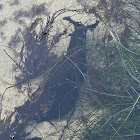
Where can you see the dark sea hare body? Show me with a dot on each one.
(61, 89)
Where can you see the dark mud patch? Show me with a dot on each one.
(2, 36)
(1, 6)
(2, 22)
(15, 40)
(34, 11)
(15, 2)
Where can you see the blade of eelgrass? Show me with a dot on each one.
(135, 78)
(127, 116)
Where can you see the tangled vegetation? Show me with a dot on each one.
(114, 71)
